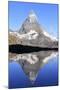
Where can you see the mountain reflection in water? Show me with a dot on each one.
(31, 63)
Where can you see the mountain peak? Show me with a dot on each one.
(32, 13)
(32, 16)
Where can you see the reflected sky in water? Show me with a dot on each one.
(33, 69)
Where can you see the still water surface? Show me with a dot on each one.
(33, 69)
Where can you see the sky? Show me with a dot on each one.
(47, 15)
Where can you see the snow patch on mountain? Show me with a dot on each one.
(50, 36)
(30, 35)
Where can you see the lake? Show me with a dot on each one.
(34, 69)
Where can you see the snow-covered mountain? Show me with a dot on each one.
(31, 33)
